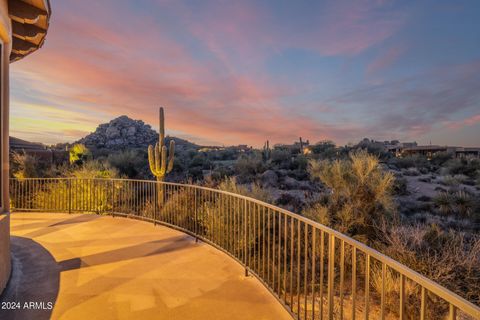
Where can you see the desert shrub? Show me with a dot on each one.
(129, 163)
(195, 173)
(414, 161)
(400, 187)
(412, 172)
(253, 191)
(444, 203)
(391, 285)
(179, 206)
(299, 163)
(324, 150)
(281, 158)
(299, 174)
(464, 204)
(444, 222)
(439, 158)
(94, 169)
(220, 173)
(215, 215)
(222, 155)
(457, 202)
(374, 148)
(423, 248)
(200, 160)
(84, 194)
(453, 181)
(317, 212)
(56, 171)
(248, 166)
(289, 201)
(79, 153)
(462, 166)
(361, 193)
(24, 166)
(179, 165)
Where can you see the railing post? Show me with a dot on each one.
(245, 236)
(195, 215)
(331, 274)
(69, 195)
(155, 203)
(112, 186)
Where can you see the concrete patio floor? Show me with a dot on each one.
(99, 267)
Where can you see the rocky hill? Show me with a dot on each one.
(123, 133)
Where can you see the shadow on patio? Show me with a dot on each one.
(101, 267)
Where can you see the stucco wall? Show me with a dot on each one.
(5, 37)
(4, 250)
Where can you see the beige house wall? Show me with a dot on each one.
(5, 40)
(5, 265)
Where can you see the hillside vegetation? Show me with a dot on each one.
(423, 213)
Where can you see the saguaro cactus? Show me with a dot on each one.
(157, 156)
(160, 165)
(266, 152)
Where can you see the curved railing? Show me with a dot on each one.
(314, 271)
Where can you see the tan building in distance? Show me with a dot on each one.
(430, 150)
(23, 27)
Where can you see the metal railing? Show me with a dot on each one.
(314, 271)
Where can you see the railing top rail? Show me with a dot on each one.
(428, 284)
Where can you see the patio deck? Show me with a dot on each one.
(99, 267)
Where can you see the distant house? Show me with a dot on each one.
(39, 151)
(23, 145)
(408, 149)
(396, 147)
(431, 150)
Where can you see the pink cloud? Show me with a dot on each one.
(470, 121)
(100, 70)
(97, 60)
(352, 27)
(250, 31)
(385, 59)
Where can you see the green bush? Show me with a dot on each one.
(79, 153)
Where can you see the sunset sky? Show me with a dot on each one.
(242, 72)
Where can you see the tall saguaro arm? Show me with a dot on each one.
(160, 164)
